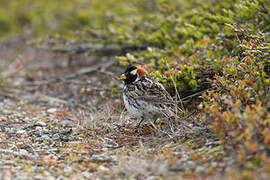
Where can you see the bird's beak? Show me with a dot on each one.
(123, 77)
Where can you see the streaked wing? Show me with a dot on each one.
(151, 91)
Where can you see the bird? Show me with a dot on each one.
(144, 97)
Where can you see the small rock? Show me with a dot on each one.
(21, 131)
(86, 174)
(100, 158)
(152, 178)
(55, 136)
(60, 156)
(23, 152)
(40, 123)
(38, 128)
(45, 137)
(51, 110)
(61, 177)
(103, 168)
(67, 169)
(190, 164)
(200, 169)
(66, 131)
(214, 164)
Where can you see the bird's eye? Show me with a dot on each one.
(133, 72)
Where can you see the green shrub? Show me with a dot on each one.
(226, 44)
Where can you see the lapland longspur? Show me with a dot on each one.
(144, 97)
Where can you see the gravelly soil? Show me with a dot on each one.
(70, 128)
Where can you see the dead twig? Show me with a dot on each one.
(196, 94)
(51, 99)
(9, 92)
(15, 67)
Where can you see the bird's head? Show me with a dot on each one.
(133, 73)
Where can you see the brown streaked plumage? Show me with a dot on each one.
(144, 97)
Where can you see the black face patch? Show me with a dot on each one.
(130, 77)
(129, 69)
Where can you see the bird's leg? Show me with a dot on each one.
(155, 118)
(142, 118)
(170, 124)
